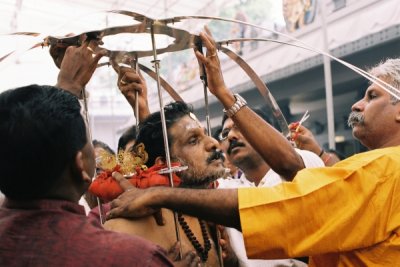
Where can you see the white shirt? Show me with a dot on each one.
(270, 179)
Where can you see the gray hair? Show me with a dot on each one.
(390, 70)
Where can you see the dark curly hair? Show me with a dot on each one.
(150, 130)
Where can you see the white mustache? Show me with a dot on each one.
(354, 118)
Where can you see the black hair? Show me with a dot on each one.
(126, 137)
(258, 111)
(41, 130)
(97, 143)
(150, 130)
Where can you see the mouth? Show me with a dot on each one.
(216, 156)
(355, 118)
(233, 147)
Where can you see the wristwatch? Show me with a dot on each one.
(239, 103)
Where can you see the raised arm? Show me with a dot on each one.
(266, 140)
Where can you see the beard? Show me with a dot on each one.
(355, 118)
(198, 177)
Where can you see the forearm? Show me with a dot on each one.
(144, 112)
(202, 203)
(266, 140)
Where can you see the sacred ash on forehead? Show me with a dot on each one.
(193, 117)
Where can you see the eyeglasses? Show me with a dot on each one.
(225, 132)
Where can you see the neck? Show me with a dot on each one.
(67, 188)
(256, 172)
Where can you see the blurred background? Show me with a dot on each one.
(362, 32)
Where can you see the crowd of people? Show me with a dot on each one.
(275, 206)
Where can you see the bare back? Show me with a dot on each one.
(165, 235)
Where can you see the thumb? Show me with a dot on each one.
(122, 181)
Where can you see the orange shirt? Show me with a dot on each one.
(345, 215)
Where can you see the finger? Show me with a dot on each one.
(122, 80)
(124, 183)
(133, 76)
(99, 54)
(158, 216)
(211, 50)
(221, 228)
(131, 88)
(173, 252)
(294, 136)
(201, 57)
(115, 203)
(82, 40)
(97, 57)
(114, 213)
(207, 30)
(93, 44)
(192, 259)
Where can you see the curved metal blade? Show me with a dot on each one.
(262, 88)
(163, 83)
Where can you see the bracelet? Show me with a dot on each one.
(239, 103)
(321, 153)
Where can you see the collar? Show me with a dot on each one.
(44, 204)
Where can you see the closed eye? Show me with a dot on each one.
(371, 95)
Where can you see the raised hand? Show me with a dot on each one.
(129, 83)
(304, 138)
(212, 64)
(78, 65)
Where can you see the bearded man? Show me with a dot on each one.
(189, 146)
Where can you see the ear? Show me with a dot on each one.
(397, 117)
(79, 164)
(160, 161)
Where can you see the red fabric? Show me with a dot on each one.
(107, 188)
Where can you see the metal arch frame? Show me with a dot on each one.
(185, 40)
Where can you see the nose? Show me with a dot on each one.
(212, 144)
(358, 106)
(233, 133)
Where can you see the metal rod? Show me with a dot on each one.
(165, 132)
(328, 82)
(136, 64)
(86, 111)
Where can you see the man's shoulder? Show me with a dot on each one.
(125, 246)
(389, 156)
